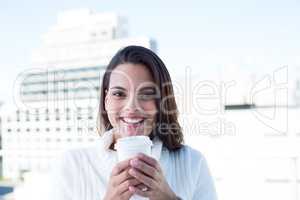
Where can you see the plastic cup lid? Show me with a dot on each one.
(133, 141)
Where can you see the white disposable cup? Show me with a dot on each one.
(128, 147)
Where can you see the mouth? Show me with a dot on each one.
(132, 120)
(133, 125)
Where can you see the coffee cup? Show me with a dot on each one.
(128, 147)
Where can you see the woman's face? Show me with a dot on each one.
(130, 100)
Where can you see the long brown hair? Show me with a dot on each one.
(167, 127)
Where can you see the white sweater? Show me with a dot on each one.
(83, 174)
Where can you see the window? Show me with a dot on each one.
(68, 114)
(79, 113)
(57, 114)
(90, 112)
(27, 115)
(37, 115)
(47, 114)
(18, 115)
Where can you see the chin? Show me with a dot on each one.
(134, 133)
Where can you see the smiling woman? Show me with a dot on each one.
(136, 99)
(137, 85)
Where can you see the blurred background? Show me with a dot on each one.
(235, 67)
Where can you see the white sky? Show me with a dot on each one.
(206, 35)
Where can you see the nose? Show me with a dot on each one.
(131, 105)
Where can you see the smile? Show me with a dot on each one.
(128, 120)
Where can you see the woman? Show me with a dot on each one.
(136, 99)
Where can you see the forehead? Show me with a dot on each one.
(130, 75)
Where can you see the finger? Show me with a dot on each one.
(149, 182)
(120, 178)
(127, 194)
(120, 167)
(123, 187)
(142, 187)
(151, 161)
(143, 167)
(138, 191)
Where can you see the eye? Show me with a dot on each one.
(147, 96)
(118, 94)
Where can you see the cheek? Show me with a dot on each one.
(113, 106)
(113, 109)
(149, 107)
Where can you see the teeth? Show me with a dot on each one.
(132, 120)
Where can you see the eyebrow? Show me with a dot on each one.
(118, 87)
(143, 88)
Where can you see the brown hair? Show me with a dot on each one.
(167, 127)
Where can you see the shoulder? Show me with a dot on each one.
(73, 158)
(199, 175)
(190, 151)
(187, 160)
(188, 169)
(188, 154)
(70, 163)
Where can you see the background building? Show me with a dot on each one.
(56, 98)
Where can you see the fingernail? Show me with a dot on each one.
(134, 162)
(130, 171)
(131, 189)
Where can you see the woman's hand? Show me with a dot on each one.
(120, 181)
(147, 170)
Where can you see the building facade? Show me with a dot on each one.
(56, 99)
